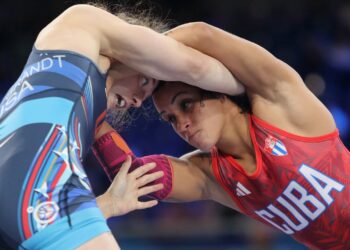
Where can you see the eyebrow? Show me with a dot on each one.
(173, 100)
(175, 96)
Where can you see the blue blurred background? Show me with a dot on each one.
(313, 36)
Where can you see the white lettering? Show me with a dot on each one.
(267, 216)
(60, 64)
(49, 63)
(42, 65)
(304, 198)
(315, 178)
(299, 196)
(24, 75)
(13, 97)
(34, 69)
(25, 86)
(302, 222)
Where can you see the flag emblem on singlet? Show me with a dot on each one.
(275, 146)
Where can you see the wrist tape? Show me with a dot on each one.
(111, 151)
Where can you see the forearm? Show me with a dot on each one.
(254, 66)
(138, 47)
(210, 40)
(170, 60)
(216, 77)
(184, 179)
(227, 48)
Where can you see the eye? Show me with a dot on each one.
(169, 118)
(186, 105)
(144, 81)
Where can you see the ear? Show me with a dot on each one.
(222, 97)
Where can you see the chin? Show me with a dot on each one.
(203, 146)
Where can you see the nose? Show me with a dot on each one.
(136, 101)
(137, 98)
(183, 125)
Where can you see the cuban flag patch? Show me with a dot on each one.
(275, 146)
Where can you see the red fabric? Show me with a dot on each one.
(111, 155)
(265, 189)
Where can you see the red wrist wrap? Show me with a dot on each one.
(111, 151)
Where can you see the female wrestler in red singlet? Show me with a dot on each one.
(278, 159)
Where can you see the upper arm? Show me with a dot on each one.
(277, 92)
(190, 180)
(73, 31)
(164, 58)
(93, 32)
(252, 65)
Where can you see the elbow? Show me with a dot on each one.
(203, 35)
(199, 37)
(79, 8)
(197, 70)
(193, 34)
(203, 32)
(81, 12)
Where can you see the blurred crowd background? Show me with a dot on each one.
(313, 36)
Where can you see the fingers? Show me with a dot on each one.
(148, 178)
(124, 169)
(150, 189)
(146, 204)
(143, 169)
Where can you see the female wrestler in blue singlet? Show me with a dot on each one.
(49, 117)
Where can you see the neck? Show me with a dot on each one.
(235, 136)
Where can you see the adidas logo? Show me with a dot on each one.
(241, 190)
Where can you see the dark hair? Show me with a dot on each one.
(242, 100)
(141, 13)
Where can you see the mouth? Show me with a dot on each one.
(192, 136)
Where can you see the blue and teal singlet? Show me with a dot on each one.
(48, 120)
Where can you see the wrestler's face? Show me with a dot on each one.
(196, 119)
(129, 91)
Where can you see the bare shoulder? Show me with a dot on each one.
(198, 158)
(284, 100)
(295, 109)
(201, 161)
(77, 29)
(277, 92)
